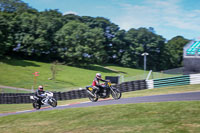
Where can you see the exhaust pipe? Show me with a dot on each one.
(90, 93)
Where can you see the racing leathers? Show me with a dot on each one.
(39, 94)
(96, 85)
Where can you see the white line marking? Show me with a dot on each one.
(23, 111)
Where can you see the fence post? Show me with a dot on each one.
(149, 75)
(122, 78)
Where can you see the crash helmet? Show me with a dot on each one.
(40, 88)
(98, 75)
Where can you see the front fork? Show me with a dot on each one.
(112, 89)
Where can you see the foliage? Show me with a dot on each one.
(142, 40)
(79, 40)
(54, 70)
(174, 51)
(13, 6)
(77, 43)
(5, 36)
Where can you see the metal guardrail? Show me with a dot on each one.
(174, 81)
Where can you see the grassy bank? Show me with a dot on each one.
(19, 73)
(7, 90)
(167, 117)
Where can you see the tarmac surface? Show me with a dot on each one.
(189, 96)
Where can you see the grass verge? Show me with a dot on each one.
(166, 117)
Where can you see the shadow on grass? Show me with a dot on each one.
(108, 65)
(98, 68)
(65, 82)
(22, 63)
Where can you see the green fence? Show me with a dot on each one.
(174, 81)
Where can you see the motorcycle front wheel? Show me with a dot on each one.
(116, 94)
(93, 98)
(36, 105)
(53, 103)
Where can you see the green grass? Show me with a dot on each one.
(166, 117)
(19, 73)
(4, 108)
(135, 74)
(6, 90)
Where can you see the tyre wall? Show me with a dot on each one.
(18, 98)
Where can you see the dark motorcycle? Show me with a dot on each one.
(104, 92)
(47, 100)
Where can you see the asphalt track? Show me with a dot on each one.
(190, 96)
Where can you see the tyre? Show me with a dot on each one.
(116, 94)
(93, 99)
(36, 105)
(53, 103)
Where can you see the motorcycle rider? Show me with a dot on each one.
(96, 85)
(40, 93)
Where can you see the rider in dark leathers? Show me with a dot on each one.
(39, 93)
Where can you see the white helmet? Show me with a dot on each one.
(40, 87)
(98, 75)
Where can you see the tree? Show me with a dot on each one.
(24, 27)
(71, 17)
(13, 6)
(142, 40)
(174, 52)
(108, 28)
(35, 33)
(6, 37)
(50, 36)
(78, 44)
(118, 47)
(54, 69)
(48, 23)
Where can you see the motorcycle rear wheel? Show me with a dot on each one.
(93, 99)
(36, 105)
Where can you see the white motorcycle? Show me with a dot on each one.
(47, 100)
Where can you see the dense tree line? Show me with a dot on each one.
(77, 40)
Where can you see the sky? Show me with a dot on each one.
(169, 18)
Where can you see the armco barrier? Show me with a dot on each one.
(174, 81)
(17, 98)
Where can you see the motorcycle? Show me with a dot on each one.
(104, 92)
(47, 100)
